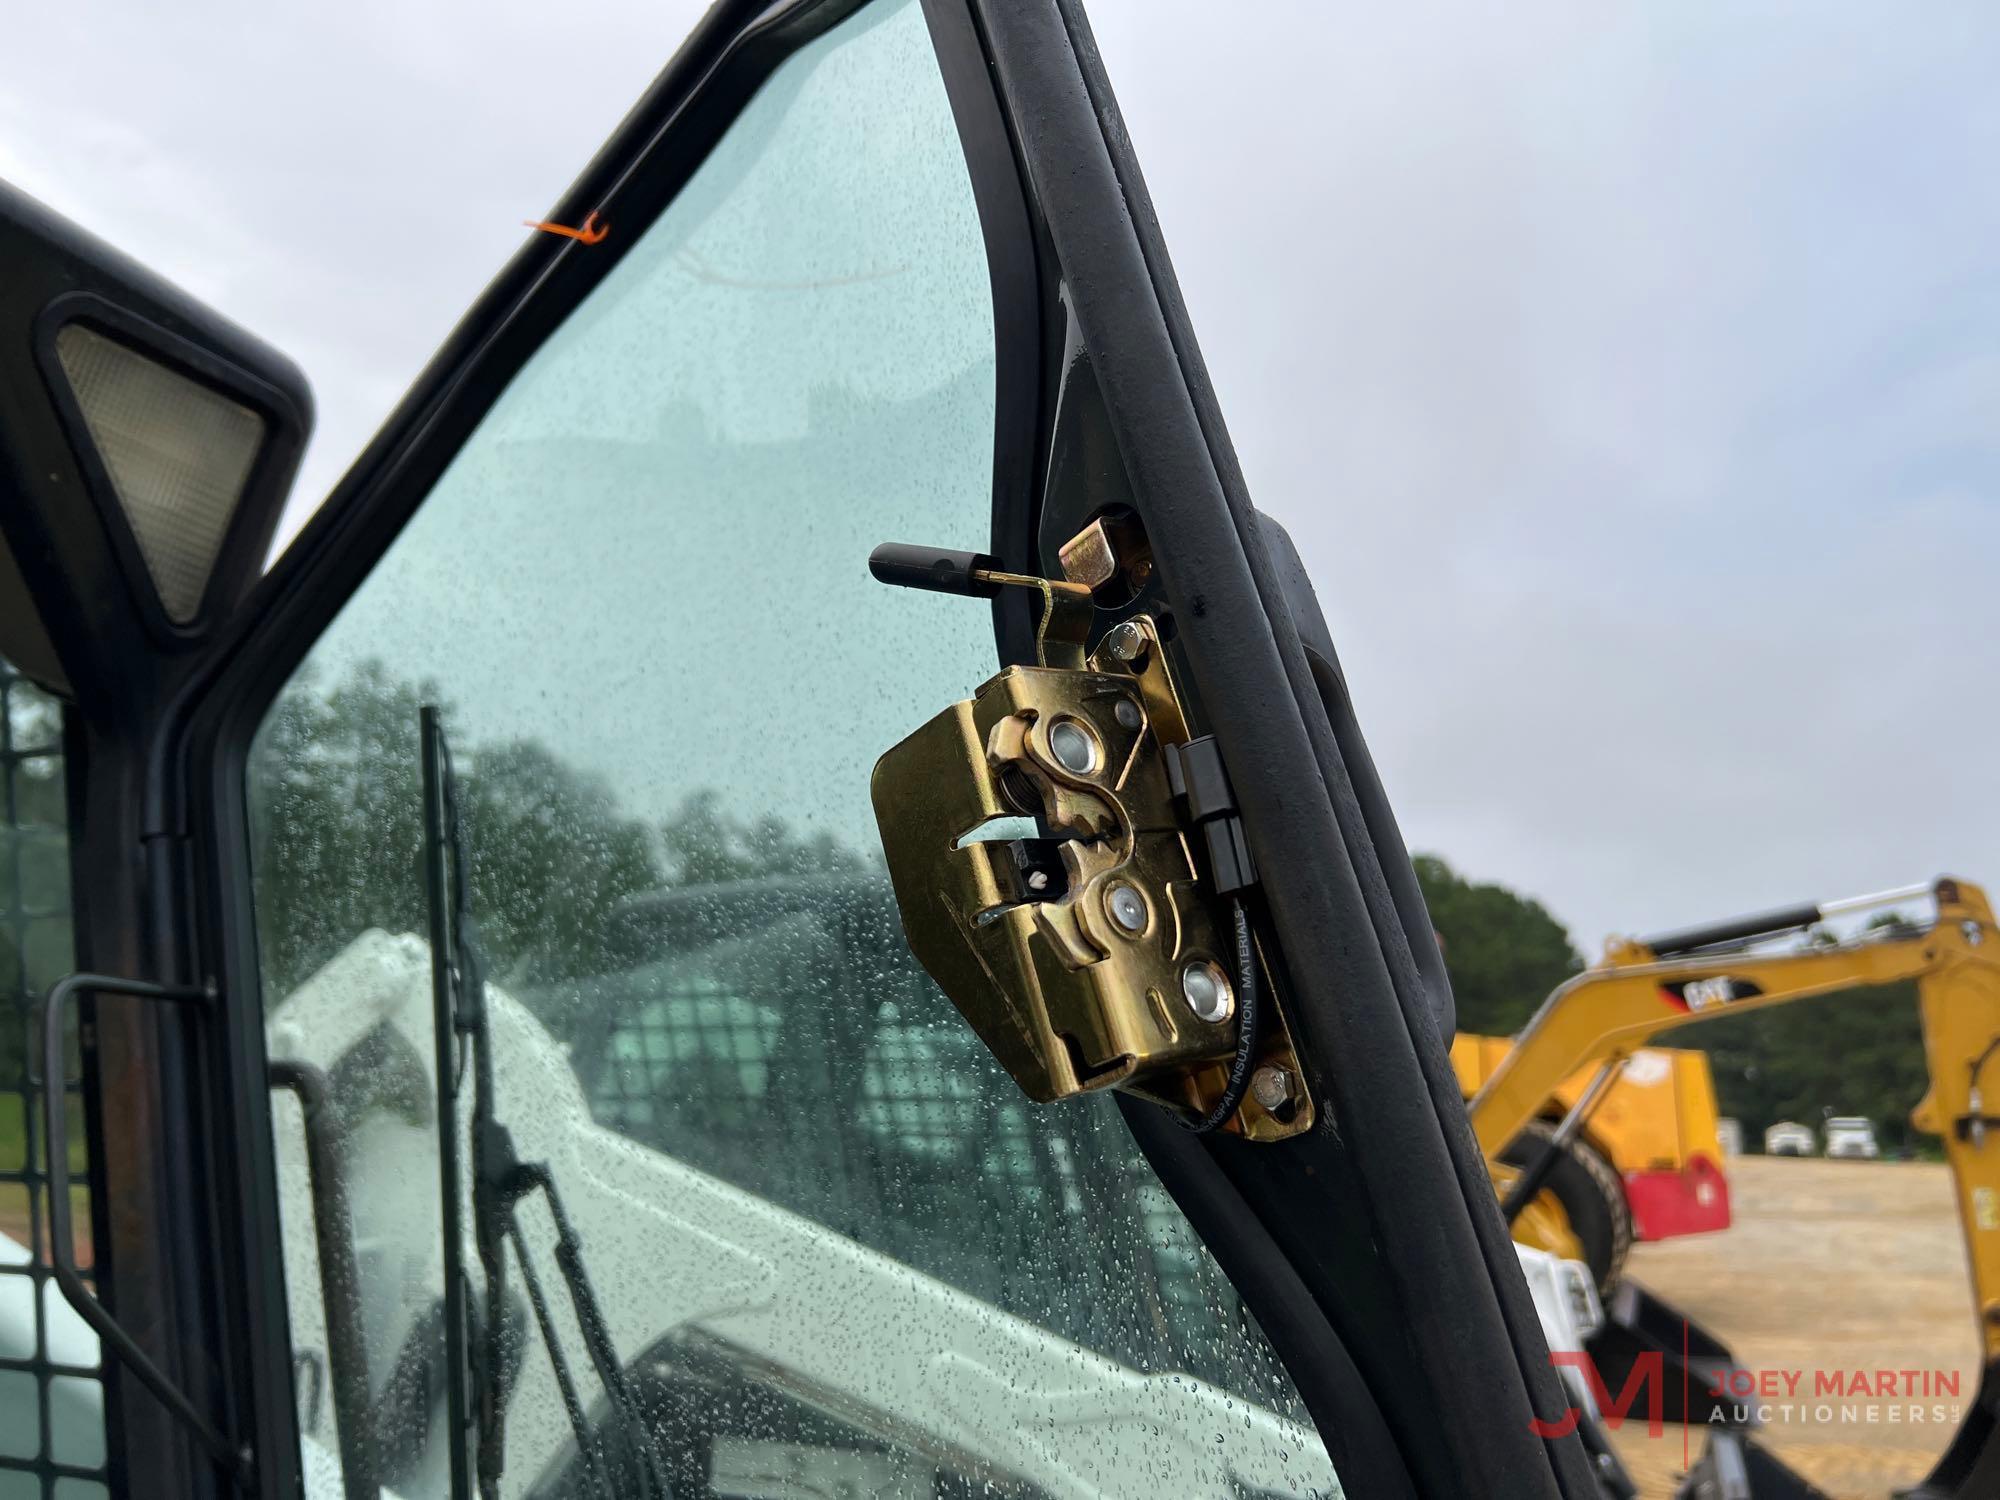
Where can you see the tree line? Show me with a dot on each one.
(336, 821)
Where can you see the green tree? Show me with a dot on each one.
(1860, 1052)
(335, 813)
(1504, 952)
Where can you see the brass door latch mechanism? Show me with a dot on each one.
(1072, 874)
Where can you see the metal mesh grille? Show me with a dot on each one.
(925, 1152)
(51, 1398)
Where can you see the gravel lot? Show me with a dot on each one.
(1835, 1266)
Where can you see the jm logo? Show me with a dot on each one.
(1649, 1373)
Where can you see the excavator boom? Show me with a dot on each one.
(1646, 988)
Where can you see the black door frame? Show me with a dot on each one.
(1414, 1264)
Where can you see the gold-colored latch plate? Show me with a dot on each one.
(1068, 996)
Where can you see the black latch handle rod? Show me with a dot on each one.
(941, 570)
(62, 1247)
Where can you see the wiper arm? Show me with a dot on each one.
(478, 1378)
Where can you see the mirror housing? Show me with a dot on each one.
(146, 448)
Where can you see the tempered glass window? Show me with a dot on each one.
(834, 1244)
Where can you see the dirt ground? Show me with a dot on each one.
(1829, 1266)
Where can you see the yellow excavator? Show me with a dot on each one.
(1648, 1167)
(1645, 988)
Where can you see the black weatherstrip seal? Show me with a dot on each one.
(1348, 1415)
(1011, 235)
(1028, 323)
(1412, 1262)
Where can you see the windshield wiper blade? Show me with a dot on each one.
(478, 1374)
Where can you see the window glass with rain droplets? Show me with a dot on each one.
(774, 1222)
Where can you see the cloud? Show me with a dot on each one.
(1627, 378)
(1627, 382)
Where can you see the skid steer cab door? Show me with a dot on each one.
(648, 1001)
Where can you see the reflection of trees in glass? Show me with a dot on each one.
(35, 942)
(333, 790)
(753, 1018)
(706, 846)
(335, 793)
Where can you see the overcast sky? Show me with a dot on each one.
(1627, 376)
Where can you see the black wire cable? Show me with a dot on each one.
(1247, 1028)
